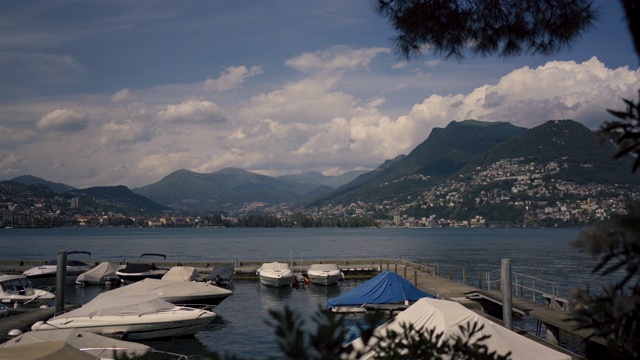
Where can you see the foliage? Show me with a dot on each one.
(506, 27)
(625, 132)
(329, 340)
(613, 314)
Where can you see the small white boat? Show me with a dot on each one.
(275, 274)
(137, 271)
(184, 293)
(103, 274)
(49, 270)
(18, 289)
(131, 318)
(324, 274)
(181, 273)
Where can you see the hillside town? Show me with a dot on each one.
(528, 191)
(510, 192)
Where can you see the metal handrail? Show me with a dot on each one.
(548, 288)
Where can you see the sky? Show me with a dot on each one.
(119, 92)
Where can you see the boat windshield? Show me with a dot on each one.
(17, 287)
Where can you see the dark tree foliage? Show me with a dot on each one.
(624, 132)
(504, 27)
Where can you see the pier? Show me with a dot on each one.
(553, 312)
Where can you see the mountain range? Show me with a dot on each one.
(450, 152)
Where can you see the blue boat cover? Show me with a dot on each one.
(385, 288)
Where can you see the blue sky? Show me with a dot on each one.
(97, 93)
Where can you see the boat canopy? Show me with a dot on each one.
(94, 344)
(385, 288)
(109, 303)
(324, 267)
(181, 273)
(447, 317)
(98, 273)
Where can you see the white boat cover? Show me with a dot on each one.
(94, 344)
(181, 273)
(51, 350)
(95, 275)
(173, 291)
(109, 303)
(273, 266)
(324, 267)
(446, 317)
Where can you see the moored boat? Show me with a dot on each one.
(324, 274)
(184, 293)
(137, 271)
(49, 270)
(103, 274)
(18, 289)
(275, 274)
(131, 318)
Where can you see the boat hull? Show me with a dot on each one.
(276, 281)
(324, 279)
(182, 322)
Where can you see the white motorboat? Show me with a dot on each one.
(137, 271)
(324, 274)
(103, 274)
(275, 274)
(131, 318)
(49, 270)
(184, 293)
(181, 273)
(18, 289)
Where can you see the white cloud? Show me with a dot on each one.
(124, 133)
(122, 95)
(192, 111)
(63, 120)
(335, 59)
(10, 138)
(527, 97)
(233, 77)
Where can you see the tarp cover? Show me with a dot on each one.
(95, 275)
(273, 266)
(446, 317)
(80, 339)
(181, 273)
(108, 303)
(324, 267)
(51, 350)
(385, 288)
(172, 291)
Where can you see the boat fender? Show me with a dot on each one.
(36, 325)
(15, 332)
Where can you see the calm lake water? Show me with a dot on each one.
(241, 326)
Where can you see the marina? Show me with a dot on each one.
(554, 318)
(438, 265)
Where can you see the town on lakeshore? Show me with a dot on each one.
(509, 192)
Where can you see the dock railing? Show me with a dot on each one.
(530, 287)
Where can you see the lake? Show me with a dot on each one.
(240, 327)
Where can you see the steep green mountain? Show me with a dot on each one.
(31, 180)
(118, 199)
(443, 153)
(568, 143)
(456, 151)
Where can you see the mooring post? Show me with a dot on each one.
(415, 278)
(480, 281)
(507, 304)
(61, 274)
(405, 271)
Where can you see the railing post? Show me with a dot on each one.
(415, 278)
(505, 279)
(480, 281)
